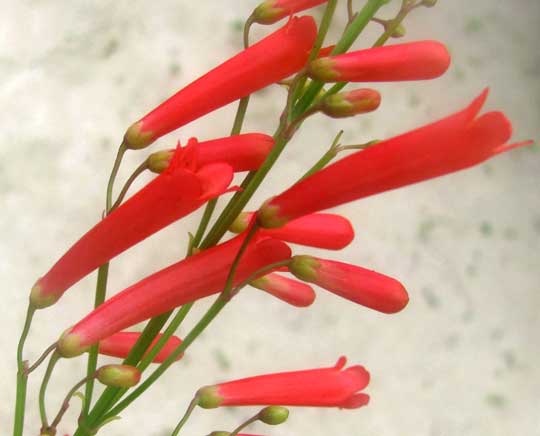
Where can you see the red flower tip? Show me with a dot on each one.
(291, 291)
(270, 60)
(324, 387)
(195, 277)
(121, 343)
(456, 142)
(244, 152)
(175, 193)
(362, 286)
(271, 11)
(409, 61)
(321, 230)
(350, 103)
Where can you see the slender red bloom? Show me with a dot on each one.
(195, 277)
(173, 194)
(271, 11)
(244, 152)
(363, 286)
(121, 343)
(321, 230)
(409, 61)
(291, 291)
(272, 59)
(324, 387)
(456, 142)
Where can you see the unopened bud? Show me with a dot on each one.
(135, 138)
(428, 3)
(119, 376)
(241, 223)
(271, 11)
(347, 104)
(274, 415)
(159, 161)
(399, 31)
(219, 433)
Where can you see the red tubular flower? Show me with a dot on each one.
(291, 291)
(324, 387)
(271, 11)
(409, 61)
(121, 343)
(173, 194)
(365, 287)
(272, 59)
(321, 230)
(244, 152)
(451, 144)
(193, 278)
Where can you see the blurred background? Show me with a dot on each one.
(461, 360)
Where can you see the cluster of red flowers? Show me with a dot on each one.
(191, 176)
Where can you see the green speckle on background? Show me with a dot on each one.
(473, 25)
(496, 401)
(486, 229)
(237, 25)
(426, 229)
(222, 360)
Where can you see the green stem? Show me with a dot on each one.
(244, 425)
(101, 290)
(116, 166)
(22, 376)
(205, 220)
(43, 389)
(346, 41)
(41, 358)
(393, 25)
(326, 157)
(208, 317)
(138, 171)
(259, 273)
(186, 416)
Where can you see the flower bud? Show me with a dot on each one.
(241, 223)
(159, 161)
(348, 104)
(119, 376)
(274, 415)
(428, 3)
(304, 267)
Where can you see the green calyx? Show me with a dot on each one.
(240, 224)
(267, 13)
(69, 345)
(159, 161)
(260, 283)
(219, 433)
(323, 70)
(274, 415)
(119, 376)
(268, 216)
(39, 300)
(208, 397)
(135, 138)
(304, 267)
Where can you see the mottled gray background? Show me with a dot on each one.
(462, 360)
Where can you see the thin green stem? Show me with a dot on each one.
(138, 171)
(244, 425)
(116, 166)
(186, 416)
(259, 273)
(65, 403)
(43, 389)
(350, 10)
(393, 25)
(22, 375)
(326, 157)
(205, 220)
(350, 35)
(41, 358)
(101, 290)
(208, 317)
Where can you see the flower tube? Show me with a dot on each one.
(121, 343)
(324, 387)
(270, 60)
(418, 60)
(195, 277)
(244, 152)
(354, 283)
(456, 142)
(173, 194)
(291, 291)
(321, 230)
(271, 11)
